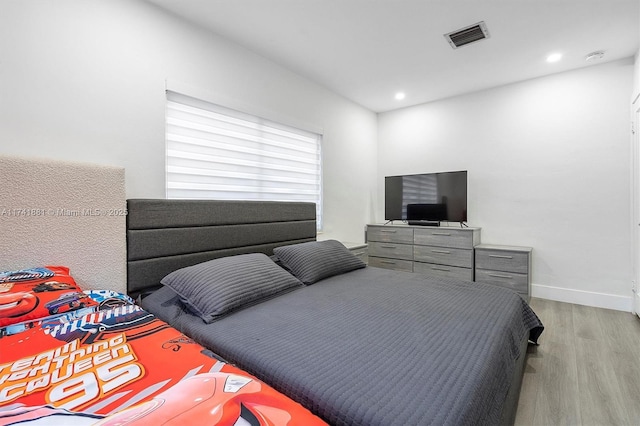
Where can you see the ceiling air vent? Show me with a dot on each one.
(470, 34)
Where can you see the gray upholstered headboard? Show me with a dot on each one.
(165, 235)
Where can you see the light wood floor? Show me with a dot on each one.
(586, 370)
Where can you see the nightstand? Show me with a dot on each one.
(360, 250)
(506, 266)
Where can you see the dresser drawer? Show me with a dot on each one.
(502, 260)
(390, 234)
(443, 271)
(443, 256)
(392, 250)
(395, 264)
(440, 237)
(514, 281)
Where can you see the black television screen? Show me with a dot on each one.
(427, 197)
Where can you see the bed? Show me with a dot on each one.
(73, 348)
(355, 345)
(85, 357)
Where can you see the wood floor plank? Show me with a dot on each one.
(627, 370)
(557, 318)
(621, 329)
(586, 370)
(525, 414)
(586, 323)
(600, 397)
(555, 400)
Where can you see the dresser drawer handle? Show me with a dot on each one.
(500, 276)
(446, 234)
(501, 256)
(436, 268)
(389, 247)
(441, 251)
(388, 262)
(388, 231)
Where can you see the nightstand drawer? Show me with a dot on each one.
(443, 271)
(390, 234)
(502, 260)
(444, 238)
(514, 281)
(443, 256)
(395, 264)
(361, 252)
(392, 250)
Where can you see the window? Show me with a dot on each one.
(215, 152)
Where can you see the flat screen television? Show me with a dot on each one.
(427, 198)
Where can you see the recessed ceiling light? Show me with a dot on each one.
(554, 57)
(400, 96)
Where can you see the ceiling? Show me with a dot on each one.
(368, 50)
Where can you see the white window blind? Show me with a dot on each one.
(215, 152)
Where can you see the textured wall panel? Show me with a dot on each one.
(63, 213)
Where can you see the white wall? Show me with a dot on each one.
(548, 163)
(84, 80)
(636, 74)
(636, 77)
(635, 181)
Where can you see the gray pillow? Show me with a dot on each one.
(316, 260)
(215, 288)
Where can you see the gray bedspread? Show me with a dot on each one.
(376, 347)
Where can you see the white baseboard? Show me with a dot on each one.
(580, 297)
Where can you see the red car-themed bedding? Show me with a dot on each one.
(31, 294)
(118, 364)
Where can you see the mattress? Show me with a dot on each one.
(376, 347)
